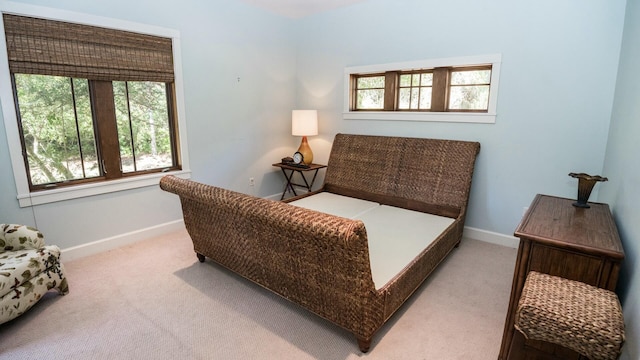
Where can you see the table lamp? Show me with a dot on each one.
(304, 123)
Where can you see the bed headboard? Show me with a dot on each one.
(428, 175)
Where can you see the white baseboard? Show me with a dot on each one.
(491, 237)
(99, 246)
(76, 252)
(275, 197)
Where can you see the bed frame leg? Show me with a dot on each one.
(200, 257)
(364, 344)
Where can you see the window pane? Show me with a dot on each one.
(415, 80)
(85, 127)
(370, 99)
(405, 80)
(150, 119)
(427, 79)
(143, 125)
(470, 77)
(404, 98)
(371, 82)
(425, 98)
(414, 92)
(415, 96)
(124, 126)
(469, 97)
(54, 138)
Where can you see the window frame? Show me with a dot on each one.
(398, 87)
(464, 116)
(25, 196)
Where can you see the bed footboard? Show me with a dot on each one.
(316, 260)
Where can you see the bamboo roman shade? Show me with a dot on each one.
(47, 47)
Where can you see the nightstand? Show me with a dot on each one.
(289, 170)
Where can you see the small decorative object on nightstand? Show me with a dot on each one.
(586, 183)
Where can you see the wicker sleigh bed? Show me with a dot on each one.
(322, 261)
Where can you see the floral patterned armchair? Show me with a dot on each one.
(28, 269)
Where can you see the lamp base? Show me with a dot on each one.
(305, 150)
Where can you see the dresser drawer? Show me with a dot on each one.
(589, 269)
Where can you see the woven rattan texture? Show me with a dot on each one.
(572, 314)
(48, 47)
(431, 171)
(316, 260)
(321, 261)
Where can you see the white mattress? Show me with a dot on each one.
(334, 204)
(395, 235)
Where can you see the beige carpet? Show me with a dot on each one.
(154, 300)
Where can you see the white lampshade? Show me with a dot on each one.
(304, 122)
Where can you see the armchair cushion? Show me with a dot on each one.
(19, 237)
(18, 267)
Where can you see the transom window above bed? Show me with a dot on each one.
(459, 89)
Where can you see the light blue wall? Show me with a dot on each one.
(236, 129)
(622, 167)
(553, 106)
(559, 65)
(558, 79)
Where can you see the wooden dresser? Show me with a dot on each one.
(559, 239)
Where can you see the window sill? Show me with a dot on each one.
(80, 191)
(478, 118)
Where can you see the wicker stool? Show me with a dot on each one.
(581, 317)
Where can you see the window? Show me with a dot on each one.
(469, 89)
(453, 89)
(75, 130)
(61, 142)
(144, 126)
(459, 89)
(97, 108)
(57, 128)
(414, 91)
(369, 92)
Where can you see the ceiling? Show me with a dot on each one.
(299, 8)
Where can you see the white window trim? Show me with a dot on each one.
(466, 117)
(25, 196)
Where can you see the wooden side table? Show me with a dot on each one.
(559, 239)
(292, 169)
